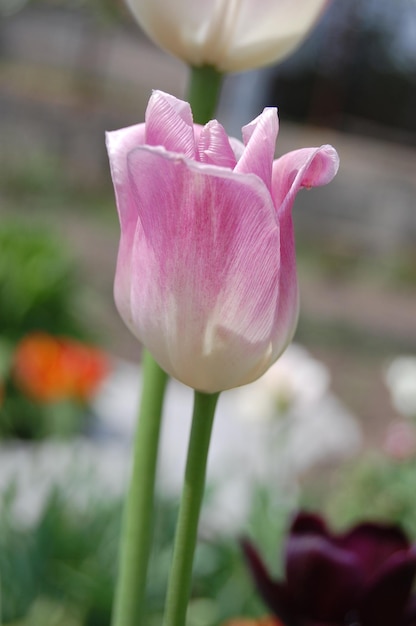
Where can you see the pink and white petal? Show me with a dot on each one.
(122, 282)
(237, 147)
(169, 124)
(204, 299)
(307, 167)
(119, 144)
(303, 168)
(214, 146)
(260, 140)
(197, 133)
(287, 310)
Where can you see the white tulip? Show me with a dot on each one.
(230, 35)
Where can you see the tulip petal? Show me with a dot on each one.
(214, 146)
(323, 579)
(307, 167)
(119, 144)
(260, 140)
(274, 594)
(266, 30)
(308, 523)
(237, 147)
(410, 612)
(384, 602)
(231, 35)
(181, 27)
(209, 327)
(374, 544)
(169, 124)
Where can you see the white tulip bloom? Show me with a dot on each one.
(294, 385)
(231, 35)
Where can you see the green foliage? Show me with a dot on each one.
(221, 586)
(67, 559)
(39, 291)
(374, 487)
(39, 287)
(26, 419)
(65, 566)
(46, 612)
(62, 571)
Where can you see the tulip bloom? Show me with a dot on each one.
(230, 35)
(361, 578)
(206, 275)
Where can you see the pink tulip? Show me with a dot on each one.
(231, 35)
(206, 273)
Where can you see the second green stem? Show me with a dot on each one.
(192, 494)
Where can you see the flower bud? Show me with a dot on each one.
(230, 35)
(206, 272)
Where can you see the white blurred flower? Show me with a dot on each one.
(293, 384)
(401, 382)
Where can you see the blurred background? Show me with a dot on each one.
(71, 69)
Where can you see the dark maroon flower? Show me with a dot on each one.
(361, 578)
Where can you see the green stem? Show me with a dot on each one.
(203, 92)
(138, 512)
(186, 531)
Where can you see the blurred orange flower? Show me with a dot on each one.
(49, 368)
